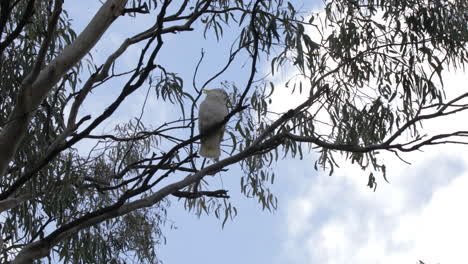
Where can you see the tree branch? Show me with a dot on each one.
(195, 195)
(33, 93)
(11, 203)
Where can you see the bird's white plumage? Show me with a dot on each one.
(212, 110)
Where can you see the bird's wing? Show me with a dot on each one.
(210, 113)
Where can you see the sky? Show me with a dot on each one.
(419, 215)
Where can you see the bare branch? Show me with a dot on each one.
(195, 195)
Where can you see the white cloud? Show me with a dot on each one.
(440, 229)
(418, 216)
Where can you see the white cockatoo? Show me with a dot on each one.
(212, 111)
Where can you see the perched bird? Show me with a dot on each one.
(212, 111)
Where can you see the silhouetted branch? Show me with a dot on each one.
(195, 195)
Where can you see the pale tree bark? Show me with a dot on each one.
(13, 202)
(36, 86)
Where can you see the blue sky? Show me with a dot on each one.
(320, 219)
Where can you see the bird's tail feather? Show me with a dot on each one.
(208, 151)
(211, 146)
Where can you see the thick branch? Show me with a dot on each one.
(11, 203)
(128, 89)
(33, 91)
(41, 248)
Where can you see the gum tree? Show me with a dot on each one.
(369, 74)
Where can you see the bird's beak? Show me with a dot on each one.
(206, 91)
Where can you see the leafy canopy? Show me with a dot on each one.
(368, 75)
